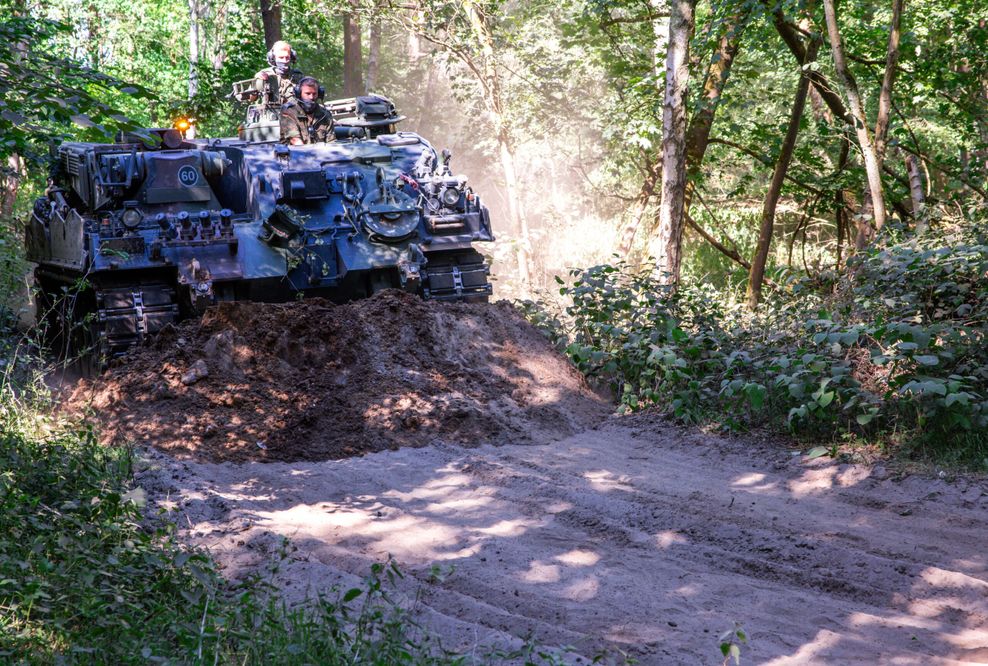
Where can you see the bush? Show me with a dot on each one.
(896, 344)
(87, 578)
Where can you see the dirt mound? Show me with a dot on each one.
(313, 380)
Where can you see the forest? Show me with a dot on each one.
(747, 216)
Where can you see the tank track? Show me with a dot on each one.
(456, 276)
(126, 315)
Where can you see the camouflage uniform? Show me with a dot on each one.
(316, 127)
(284, 85)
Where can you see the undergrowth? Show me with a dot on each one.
(895, 348)
(84, 579)
(90, 575)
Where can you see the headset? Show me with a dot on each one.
(293, 57)
(309, 80)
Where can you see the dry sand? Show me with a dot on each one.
(643, 538)
(454, 435)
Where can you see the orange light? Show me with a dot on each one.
(182, 124)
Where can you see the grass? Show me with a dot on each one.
(88, 575)
(84, 579)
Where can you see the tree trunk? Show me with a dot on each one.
(515, 211)
(271, 17)
(373, 56)
(885, 96)
(653, 172)
(916, 194)
(219, 36)
(790, 36)
(352, 54)
(700, 125)
(11, 182)
(760, 258)
(872, 166)
(698, 133)
(194, 47)
(490, 82)
(840, 203)
(667, 246)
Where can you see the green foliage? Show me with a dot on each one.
(84, 579)
(79, 577)
(45, 95)
(731, 642)
(900, 346)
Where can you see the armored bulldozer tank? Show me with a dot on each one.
(134, 235)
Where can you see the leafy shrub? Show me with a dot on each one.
(78, 575)
(84, 580)
(899, 343)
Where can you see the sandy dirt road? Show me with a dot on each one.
(632, 535)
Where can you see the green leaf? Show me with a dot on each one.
(864, 419)
(825, 399)
(755, 394)
(928, 359)
(816, 452)
(352, 594)
(961, 397)
(82, 120)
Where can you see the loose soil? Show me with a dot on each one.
(642, 538)
(313, 380)
(625, 535)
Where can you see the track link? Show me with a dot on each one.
(126, 315)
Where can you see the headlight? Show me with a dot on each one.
(450, 196)
(132, 218)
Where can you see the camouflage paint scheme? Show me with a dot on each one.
(131, 237)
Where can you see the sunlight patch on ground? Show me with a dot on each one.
(951, 579)
(894, 621)
(461, 504)
(853, 475)
(749, 479)
(963, 638)
(435, 488)
(689, 590)
(507, 528)
(933, 608)
(540, 572)
(605, 481)
(578, 558)
(669, 538)
(582, 589)
(558, 507)
(754, 481)
(402, 536)
(813, 481)
(809, 653)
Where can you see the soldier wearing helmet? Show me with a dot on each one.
(306, 120)
(281, 78)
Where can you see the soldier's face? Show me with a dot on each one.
(309, 93)
(283, 55)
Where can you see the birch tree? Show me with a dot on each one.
(667, 244)
(856, 108)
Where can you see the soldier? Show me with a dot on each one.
(306, 120)
(280, 77)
